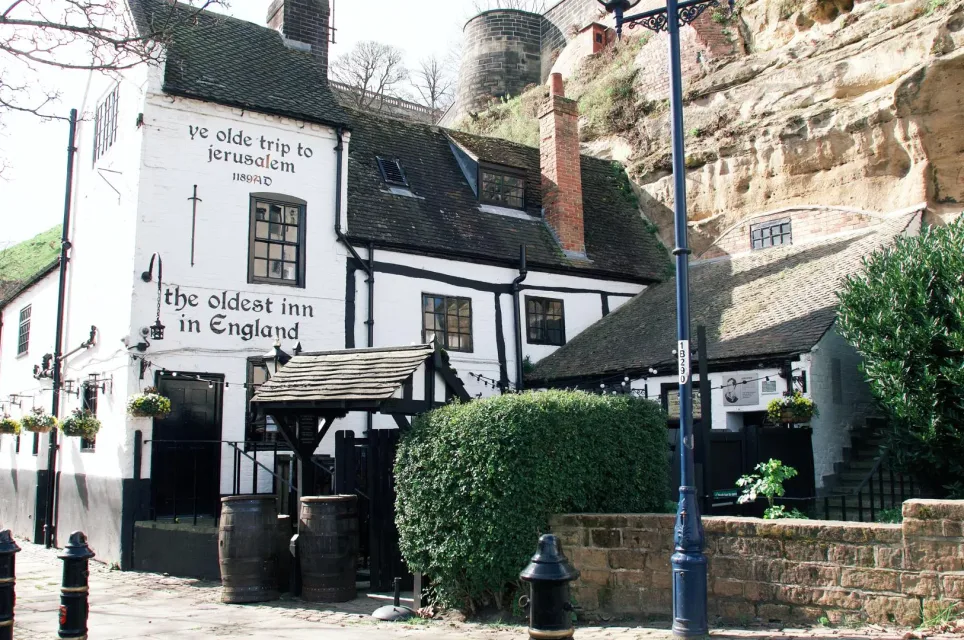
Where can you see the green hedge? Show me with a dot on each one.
(477, 482)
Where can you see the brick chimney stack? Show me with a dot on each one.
(304, 24)
(561, 168)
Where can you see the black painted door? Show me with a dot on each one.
(186, 453)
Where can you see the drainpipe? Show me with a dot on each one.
(58, 340)
(517, 312)
(369, 266)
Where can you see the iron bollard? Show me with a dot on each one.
(74, 590)
(8, 580)
(549, 575)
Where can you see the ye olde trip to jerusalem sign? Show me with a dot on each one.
(230, 311)
(236, 149)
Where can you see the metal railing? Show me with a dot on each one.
(187, 458)
(882, 488)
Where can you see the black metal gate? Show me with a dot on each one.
(366, 466)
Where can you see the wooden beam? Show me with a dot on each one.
(452, 381)
(405, 407)
(402, 422)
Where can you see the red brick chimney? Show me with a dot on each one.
(561, 168)
(304, 24)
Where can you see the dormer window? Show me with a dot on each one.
(771, 234)
(502, 187)
(392, 172)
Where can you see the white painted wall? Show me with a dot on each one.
(726, 417)
(16, 372)
(843, 398)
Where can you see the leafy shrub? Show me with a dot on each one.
(149, 404)
(38, 421)
(81, 423)
(477, 482)
(768, 482)
(9, 426)
(905, 316)
(891, 516)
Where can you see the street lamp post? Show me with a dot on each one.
(689, 561)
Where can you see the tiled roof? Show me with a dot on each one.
(444, 215)
(758, 305)
(237, 63)
(354, 374)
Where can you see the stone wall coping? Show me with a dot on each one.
(921, 509)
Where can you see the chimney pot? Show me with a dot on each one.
(556, 87)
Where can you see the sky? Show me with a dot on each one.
(31, 184)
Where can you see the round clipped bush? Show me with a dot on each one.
(477, 482)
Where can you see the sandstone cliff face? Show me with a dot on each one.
(841, 104)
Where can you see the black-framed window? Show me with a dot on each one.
(392, 171)
(23, 338)
(89, 403)
(545, 321)
(105, 123)
(449, 320)
(276, 254)
(502, 187)
(771, 234)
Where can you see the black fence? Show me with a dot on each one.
(187, 476)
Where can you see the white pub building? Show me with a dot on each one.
(226, 196)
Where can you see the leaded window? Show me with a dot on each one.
(448, 320)
(502, 188)
(23, 338)
(105, 123)
(277, 251)
(545, 321)
(771, 234)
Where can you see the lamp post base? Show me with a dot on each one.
(689, 570)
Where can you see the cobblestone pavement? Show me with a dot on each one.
(127, 605)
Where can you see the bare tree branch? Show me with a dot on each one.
(533, 6)
(80, 35)
(434, 82)
(373, 71)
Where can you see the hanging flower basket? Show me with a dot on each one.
(9, 426)
(792, 409)
(149, 404)
(80, 424)
(38, 421)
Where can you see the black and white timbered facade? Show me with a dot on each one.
(226, 196)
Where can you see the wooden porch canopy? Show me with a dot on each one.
(328, 385)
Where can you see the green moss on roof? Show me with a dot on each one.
(23, 261)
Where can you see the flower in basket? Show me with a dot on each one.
(9, 426)
(38, 421)
(81, 423)
(794, 408)
(149, 404)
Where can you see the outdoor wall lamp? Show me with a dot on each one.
(157, 329)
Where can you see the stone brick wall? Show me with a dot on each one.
(501, 57)
(784, 571)
(806, 223)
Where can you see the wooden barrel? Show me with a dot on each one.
(248, 549)
(328, 548)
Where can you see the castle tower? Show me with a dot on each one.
(502, 55)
